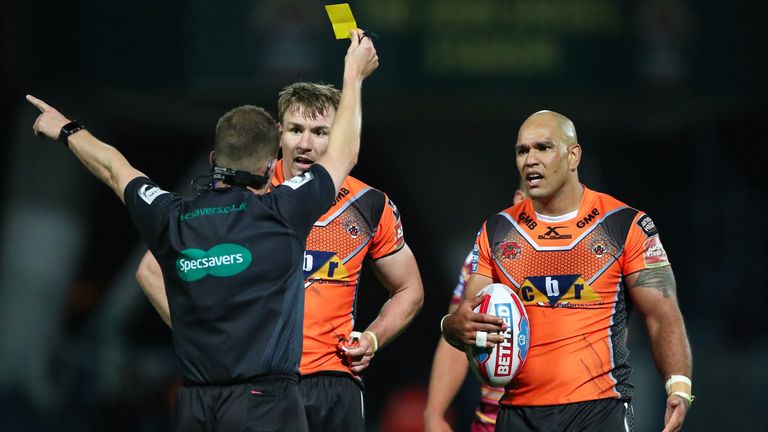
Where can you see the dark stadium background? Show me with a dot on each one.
(668, 98)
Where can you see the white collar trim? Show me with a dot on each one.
(561, 218)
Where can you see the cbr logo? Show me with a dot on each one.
(557, 291)
(323, 265)
(527, 220)
(552, 234)
(510, 250)
(588, 218)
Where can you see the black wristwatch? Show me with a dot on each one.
(68, 129)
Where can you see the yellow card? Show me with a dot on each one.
(342, 19)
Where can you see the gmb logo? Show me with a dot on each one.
(222, 260)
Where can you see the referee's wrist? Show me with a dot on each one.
(68, 129)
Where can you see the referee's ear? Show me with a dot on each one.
(212, 158)
(272, 166)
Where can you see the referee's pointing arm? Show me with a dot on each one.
(101, 159)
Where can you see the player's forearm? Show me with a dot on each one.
(669, 344)
(397, 312)
(654, 294)
(449, 369)
(150, 278)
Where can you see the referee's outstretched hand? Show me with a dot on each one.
(49, 122)
(361, 59)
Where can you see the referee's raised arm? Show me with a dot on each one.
(344, 142)
(101, 159)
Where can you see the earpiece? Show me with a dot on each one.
(236, 177)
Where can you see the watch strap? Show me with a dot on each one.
(68, 129)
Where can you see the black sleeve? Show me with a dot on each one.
(149, 206)
(303, 199)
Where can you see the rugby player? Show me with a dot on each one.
(577, 259)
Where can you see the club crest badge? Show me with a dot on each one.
(511, 250)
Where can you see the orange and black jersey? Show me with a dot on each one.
(361, 222)
(568, 272)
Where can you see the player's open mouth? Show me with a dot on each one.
(303, 162)
(533, 179)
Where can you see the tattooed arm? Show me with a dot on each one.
(654, 295)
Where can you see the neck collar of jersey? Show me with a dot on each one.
(587, 202)
(560, 218)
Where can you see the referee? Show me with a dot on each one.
(232, 258)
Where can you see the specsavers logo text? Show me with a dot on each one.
(223, 260)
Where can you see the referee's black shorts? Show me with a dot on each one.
(271, 403)
(333, 402)
(602, 415)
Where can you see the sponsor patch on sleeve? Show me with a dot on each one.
(149, 192)
(395, 211)
(466, 272)
(475, 254)
(646, 224)
(299, 181)
(654, 253)
(399, 239)
(399, 236)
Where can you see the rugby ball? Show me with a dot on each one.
(497, 366)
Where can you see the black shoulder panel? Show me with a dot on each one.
(617, 224)
(497, 229)
(371, 206)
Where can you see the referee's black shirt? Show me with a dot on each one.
(232, 266)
